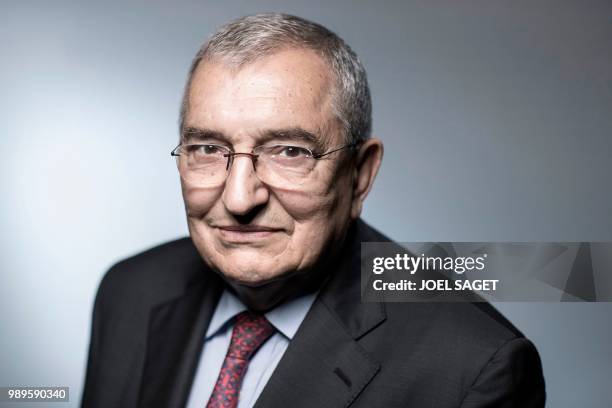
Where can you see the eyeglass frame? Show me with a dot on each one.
(230, 156)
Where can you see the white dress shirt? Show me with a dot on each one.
(286, 318)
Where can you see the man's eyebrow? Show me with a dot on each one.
(295, 134)
(292, 134)
(192, 133)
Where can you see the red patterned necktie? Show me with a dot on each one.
(249, 333)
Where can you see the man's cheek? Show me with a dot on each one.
(304, 206)
(198, 201)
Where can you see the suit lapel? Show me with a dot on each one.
(324, 365)
(176, 332)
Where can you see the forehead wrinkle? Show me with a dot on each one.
(321, 98)
(317, 95)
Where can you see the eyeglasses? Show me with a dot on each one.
(278, 165)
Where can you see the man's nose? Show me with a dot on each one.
(243, 190)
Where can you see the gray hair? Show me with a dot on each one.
(251, 37)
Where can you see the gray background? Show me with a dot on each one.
(497, 117)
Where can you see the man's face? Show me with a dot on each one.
(248, 230)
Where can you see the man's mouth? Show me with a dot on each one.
(246, 233)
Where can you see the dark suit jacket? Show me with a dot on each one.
(152, 311)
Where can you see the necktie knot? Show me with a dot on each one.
(250, 332)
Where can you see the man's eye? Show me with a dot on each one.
(291, 151)
(205, 150)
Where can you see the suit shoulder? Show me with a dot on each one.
(163, 269)
(479, 324)
(458, 339)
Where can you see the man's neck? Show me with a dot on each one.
(267, 296)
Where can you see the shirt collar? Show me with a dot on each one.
(286, 318)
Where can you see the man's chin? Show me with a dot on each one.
(252, 278)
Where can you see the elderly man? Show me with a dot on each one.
(261, 305)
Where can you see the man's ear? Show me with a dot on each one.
(367, 164)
